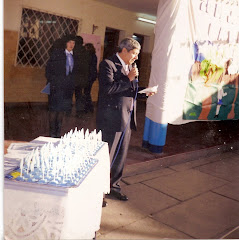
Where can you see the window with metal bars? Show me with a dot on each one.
(38, 31)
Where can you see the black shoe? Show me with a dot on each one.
(104, 203)
(119, 196)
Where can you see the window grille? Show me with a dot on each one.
(38, 31)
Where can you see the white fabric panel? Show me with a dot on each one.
(172, 52)
(179, 24)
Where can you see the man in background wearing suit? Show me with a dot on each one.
(60, 71)
(116, 112)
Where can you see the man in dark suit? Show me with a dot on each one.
(116, 112)
(82, 77)
(60, 71)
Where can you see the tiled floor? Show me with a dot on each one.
(226, 169)
(177, 202)
(186, 184)
(214, 213)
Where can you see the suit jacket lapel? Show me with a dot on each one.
(119, 65)
(120, 68)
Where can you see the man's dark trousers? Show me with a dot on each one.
(115, 141)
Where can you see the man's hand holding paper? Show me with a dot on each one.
(150, 91)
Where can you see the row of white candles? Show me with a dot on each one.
(70, 157)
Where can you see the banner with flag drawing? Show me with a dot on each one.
(212, 91)
(199, 86)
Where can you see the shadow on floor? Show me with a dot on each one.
(27, 121)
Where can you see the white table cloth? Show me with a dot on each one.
(35, 211)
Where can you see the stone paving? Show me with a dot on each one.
(197, 199)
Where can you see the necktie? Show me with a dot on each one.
(69, 63)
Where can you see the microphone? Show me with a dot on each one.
(135, 66)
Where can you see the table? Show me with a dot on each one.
(35, 211)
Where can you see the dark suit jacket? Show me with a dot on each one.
(62, 86)
(116, 94)
(83, 67)
(93, 68)
(56, 67)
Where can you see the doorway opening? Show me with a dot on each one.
(111, 42)
(140, 39)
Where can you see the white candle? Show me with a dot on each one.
(94, 135)
(32, 163)
(99, 136)
(28, 161)
(43, 170)
(87, 133)
(21, 166)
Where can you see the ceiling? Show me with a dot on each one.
(148, 7)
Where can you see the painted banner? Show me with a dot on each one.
(195, 65)
(184, 27)
(212, 91)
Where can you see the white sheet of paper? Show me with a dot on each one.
(23, 146)
(153, 89)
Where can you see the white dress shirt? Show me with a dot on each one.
(125, 66)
